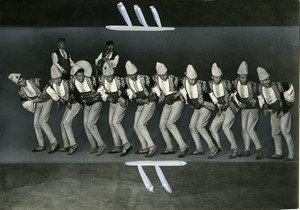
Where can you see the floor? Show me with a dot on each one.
(198, 185)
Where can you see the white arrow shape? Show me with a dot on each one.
(124, 13)
(163, 179)
(145, 179)
(140, 15)
(159, 172)
(155, 15)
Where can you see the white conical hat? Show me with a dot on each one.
(161, 69)
(15, 77)
(243, 68)
(107, 70)
(262, 73)
(130, 68)
(55, 72)
(190, 72)
(215, 70)
(82, 64)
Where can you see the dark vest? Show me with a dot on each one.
(65, 63)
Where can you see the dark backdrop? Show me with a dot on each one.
(262, 32)
(28, 51)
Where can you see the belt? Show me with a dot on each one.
(114, 96)
(195, 103)
(171, 99)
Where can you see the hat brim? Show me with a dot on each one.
(82, 64)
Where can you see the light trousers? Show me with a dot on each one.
(142, 115)
(66, 124)
(169, 116)
(197, 125)
(40, 122)
(249, 120)
(90, 118)
(224, 120)
(116, 115)
(282, 125)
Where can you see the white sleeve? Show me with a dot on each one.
(129, 93)
(98, 58)
(101, 90)
(235, 98)
(289, 95)
(156, 90)
(55, 61)
(184, 94)
(261, 101)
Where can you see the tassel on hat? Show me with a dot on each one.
(161, 69)
(243, 68)
(130, 68)
(15, 77)
(107, 70)
(262, 73)
(190, 72)
(216, 71)
(55, 72)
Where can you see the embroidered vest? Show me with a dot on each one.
(88, 98)
(173, 82)
(142, 97)
(69, 93)
(120, 83)
(35, 84)
(281, 104)
(252, 91)
(225, 100)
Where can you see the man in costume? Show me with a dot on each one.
(166, 88)
(138, 92)
(35, 99)
(277, 98)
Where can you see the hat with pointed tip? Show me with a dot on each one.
(262, 73)
(191, 72)
(215, 70)
(130, 68)
(161, 69)
(243, 68)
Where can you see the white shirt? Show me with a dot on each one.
(59, 89)
(218, 90)
(111, 86)
(269, 95)
(82, 87)
(191, 90)
(242, 90)
(164, 86)
(30, 92)
(136, 86)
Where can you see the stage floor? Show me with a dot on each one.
(198, 185)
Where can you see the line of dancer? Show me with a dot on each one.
(73, 85)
